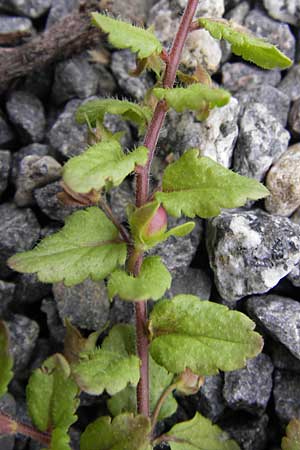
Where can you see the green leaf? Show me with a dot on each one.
(199, 186)
(87, 246)
(123, 35)
(52, 395)
(151, 283)
(75, 343)
(245, 44)
(197, 97)
(292, 439)
(6, 361)
(102, 165)
(200, 335)
(60, 440)
(95, 110)
(199, 434)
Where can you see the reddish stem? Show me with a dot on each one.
(10, 426)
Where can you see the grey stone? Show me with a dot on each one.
(237, 76)
(121, 312)
(8, 406)
(294, 118)
(48, 202)
(15, 26)
(283, 359)
(29, 289)
(6, 133)
(19, 231)
(32, 149)
(23, 334)
(42, 351)
(66, 136)
(27, 113)
(250, 434)
(283, 10)
(290, 85)
(54, 323)
(280, 317)
(29, 8)
(74, 77)
(194, 282)
(229, 4)
(39, 83)
(115, 124)
(208, 8)
(286, 394)
(131, 9)
(201, 49)
(262, 140)
(283, 182)
(239, 12)
(164, 19)
(249, 389)
(209, 400)
(86, 305)
(120, 198)
(250, 251)
(7, 290)
(60, 9)
(276, 33)
(5, 163)
(35, 171)
(107, 85)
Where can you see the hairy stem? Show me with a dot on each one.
(142, 194)
(11, 427)
(160, 403)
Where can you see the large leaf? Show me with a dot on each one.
(292, 439)
(199, 186)
(151, 283)
(245, 44)
(200, 335)
(124, 432)
(52, 395)
(102, 165)
(95, 110)
(197, 97)
(199, 434)
(6, 361)
(87, 246)
(123, 35)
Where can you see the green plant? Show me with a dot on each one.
(183, 339)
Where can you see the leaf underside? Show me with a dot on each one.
(292, 439)
(203, 336)
(6, 361)
(87, 246)
(245, 44)
(199, 186)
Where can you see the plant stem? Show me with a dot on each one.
(159, 404)
(10, 426)
(122, 230)
(142, 194)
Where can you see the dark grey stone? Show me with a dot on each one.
(14, 26)
(280, 317)
(5, 163)
(237, 76)
(32, 149)
(19, 231)
(54, 323)
(39, 83)
(294, 118)
(250, 251)
(115, 124)
(276, 33)
(132, 9)
(23, 334)
(8, 406)
(27, 113)
(66, 136)
(209, 400)
(6, 295)
(194, 282)
(29, 8)
(286, 394)
(6, 133)
(261, 141)
(29, 289)
(107, 85)
(290, 85)
(121, 312)
(282, 358)
(229, 4)
(120, 198)
(283, 10)
(86, 305)
(60, 9)
(250, 434)
(249, 389)
(42, 351)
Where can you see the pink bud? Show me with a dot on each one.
(158, 223)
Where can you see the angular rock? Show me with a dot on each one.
(8, 406)
(60, 9)
(249, 389)
(120, 198)
(86, 305)
(15, 28)
(283, 182)
(294, 118)
(35, 172)
(261, 141)
(284, 11)
(209, 400)
(27, 113)
(237, 76)
(6, 295)
(286, 394)
(19, 231)
(283, 359)
(29, 289)
(250, 251)
(6, 133)
(194, 282)
(280, 317)
(54, 323)
(250, 434)
(32, 149)
(290, 85)
(29, 8)
(5, 163)
(23, 334)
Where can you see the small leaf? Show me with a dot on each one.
(203, 336)
(151, 283)
(6, 361)
(75, 343)
(52, 395)
(101, 165)
(199, 434)
(95, 110)
(60, 440)
(197, 97)
(87, 246)
(245, 44)
(292, 439)
(123, 35)
(199, 186)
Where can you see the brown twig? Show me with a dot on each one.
(10, 426)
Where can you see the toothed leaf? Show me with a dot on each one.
(199, 186)
(6, 361)
(245, 44)
(203, 336)
(102, 165)
(87, 246)
(292, 439)
(60, 440)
